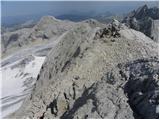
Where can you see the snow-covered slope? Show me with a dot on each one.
(17, 81)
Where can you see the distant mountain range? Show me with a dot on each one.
(75, 16)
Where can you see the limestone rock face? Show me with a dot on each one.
(106, 72)
(155, 30)
(144, 19)
(103, 99)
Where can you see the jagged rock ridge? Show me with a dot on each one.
(144, 19)
(86, 74)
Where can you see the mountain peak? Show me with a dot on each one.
(141, 11)
(48, 18)
(116, 22)
(142, 8)
(144, 19)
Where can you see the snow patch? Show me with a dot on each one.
(17, 81)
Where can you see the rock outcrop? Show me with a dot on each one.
(144, 19)
(106, 72)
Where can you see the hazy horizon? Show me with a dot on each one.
(18, 8)
(31, 10)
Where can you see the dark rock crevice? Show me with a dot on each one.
(142, 87)
(77, 52)
(53, 106)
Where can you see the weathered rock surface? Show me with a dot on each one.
(104, 99)
(146, 20)
(97, 73)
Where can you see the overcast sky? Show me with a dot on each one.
(18, 8)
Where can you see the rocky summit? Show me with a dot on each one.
(95, 72)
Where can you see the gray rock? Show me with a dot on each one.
(142, 87)
(144, 19)
(100, 58)
(101, 100)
